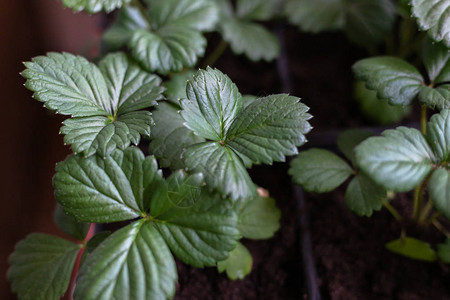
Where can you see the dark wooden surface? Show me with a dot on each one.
(29, 142)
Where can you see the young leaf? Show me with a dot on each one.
(349, 139)
(265, 130)
(319, 170)
(200, 234)
(412, 248)
(41, 266)
(222, 168)
(378, 110)
(132, 263)
(168, 37)
(94, 6)
(392, 78)
(363, 196)
(399, 160)
(434, 17)
(106, 190)
(259, 217)
(251, 39)
(439, 189)
(170, 137)
(104, 100)
(443, 251)
(213, 102)
(269, 129)
(69, 224)
(238, 264)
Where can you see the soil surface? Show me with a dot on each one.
(351, 261)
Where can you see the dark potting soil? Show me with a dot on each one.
(351, 261)
(277, 269)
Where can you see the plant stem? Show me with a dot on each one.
(425, 211)
(76, 267)
(423, 119)
(417, 203)
(215, 55)
(418, 197)
(441, 228)
(393, 211)
(433, 217)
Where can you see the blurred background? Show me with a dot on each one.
(30, 144)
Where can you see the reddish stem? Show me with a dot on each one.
(76, 267)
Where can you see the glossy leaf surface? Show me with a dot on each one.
(319, 170)
(41, 266)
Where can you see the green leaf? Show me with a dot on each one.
(90, 135)
(106, 190)
(201, 234)
(248, 99)
(168, 37)
(180, 190)
(366, 22)
(436, 97)
(238, 264)
(251, 39)
(196, 14)
(392, 78)
(439, 190)
(176, 86)
(133, 263)
(363, 196)
(399, 160)
(256, 9)
(259, 217)
(349, 139)
(433, 16)
(41, 266)
(437, 62)
(213, 102)
(438, 135)
(315, 16)
(170, 137)
(378, 110)
(319, 170)
(94, 6)
(69, 224)
(269, 129)
(412, 248)
(170, 50)
(222, 168)
(128, 20)
(443, 251)
(104, 100)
